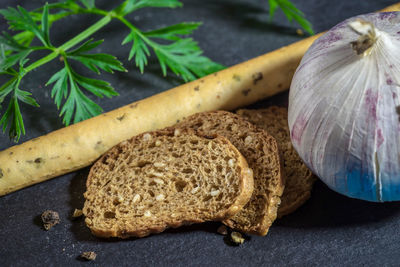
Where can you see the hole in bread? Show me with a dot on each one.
(142, 163)
(187, 170)
(111, 166)
(219, 197)
(104, 160)
(180, 185)
(175, 155)
(207, 170)
(182, 142)
(198, 125)
(213, 157)
(194, 142)
(151, 193)
(116, 201)
(219, 168)
(207, 198)
(109, 215)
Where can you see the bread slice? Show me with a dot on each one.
(164, 179)
(261, 153)
(299, 179)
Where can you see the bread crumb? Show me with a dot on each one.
(237, 238)
(300, 32)
(158, 143)
(77, 213)
(49, 219)
(89, 255)
(147, 213)
(222, 230)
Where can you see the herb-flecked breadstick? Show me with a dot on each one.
(79, 145)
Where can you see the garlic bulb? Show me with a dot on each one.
(344, 107)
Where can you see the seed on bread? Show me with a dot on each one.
(158, 181)
(159, 164)
(160, 197)
(146, 137)
(136, 198)
(215, 193)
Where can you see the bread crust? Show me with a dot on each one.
(246, 187)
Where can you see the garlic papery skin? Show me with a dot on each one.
(344, 108)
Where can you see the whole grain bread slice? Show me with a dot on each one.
(261, 152)
(299, 179)
(163, 179)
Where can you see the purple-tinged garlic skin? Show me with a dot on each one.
(344, 109)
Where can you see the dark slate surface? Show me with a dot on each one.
(329, 229)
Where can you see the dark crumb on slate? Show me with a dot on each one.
(50, 218)
(89, 255)
(222, 230)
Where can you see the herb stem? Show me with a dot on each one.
(138, 32)
(77, 39)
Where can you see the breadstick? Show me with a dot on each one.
(79, 145)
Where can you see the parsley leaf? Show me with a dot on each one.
(77, 107)
(132, 5)
(20, 20)
(183, 56)
(139, 50)
(93, 62)
(291, 12)
(12, 115)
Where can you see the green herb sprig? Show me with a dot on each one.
(180, 54)
(291, 12)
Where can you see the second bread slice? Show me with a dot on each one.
(165, 179)
(261, 152)
(299, 179)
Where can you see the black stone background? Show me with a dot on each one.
(329, 230)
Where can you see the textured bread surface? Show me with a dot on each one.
(261, 153)
(164, 179)
(299, 179)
